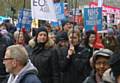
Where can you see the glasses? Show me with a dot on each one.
(103, 63)
(7, 59)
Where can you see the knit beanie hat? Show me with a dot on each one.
(61, 36)
(41, 29)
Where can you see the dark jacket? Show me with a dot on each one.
(3, 46)
(72, 70)
(91, 78)
(45, 62)
(27, 75)
(60, 53)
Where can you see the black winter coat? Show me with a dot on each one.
(45, 62)
(73, 70)
(90, 79)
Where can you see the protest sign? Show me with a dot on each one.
(24, 19)
(43, 10)
(92, 17)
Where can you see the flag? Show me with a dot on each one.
(100, 2)
(98, 42)
(23, 29)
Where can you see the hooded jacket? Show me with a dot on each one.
(27, 75)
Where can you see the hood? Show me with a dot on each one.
(32, 43)
(28, 69)
(108, 76)
(49, 44)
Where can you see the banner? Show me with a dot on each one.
(24, 19)
(92, 17)
(43, 10)
(106, 10)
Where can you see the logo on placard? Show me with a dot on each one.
(43, 6)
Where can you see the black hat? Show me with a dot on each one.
(61, 36)
(42, 29)
(64, 22)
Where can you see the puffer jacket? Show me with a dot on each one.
(45, 62)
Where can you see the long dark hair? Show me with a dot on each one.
(87, 36)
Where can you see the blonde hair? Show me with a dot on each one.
(16, 34)
(75, 31)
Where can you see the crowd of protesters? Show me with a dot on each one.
(58, 55)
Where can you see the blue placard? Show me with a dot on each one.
(59, 9)
(24, 19)
(92, 17)
(56, 24)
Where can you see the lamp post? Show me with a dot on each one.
(24, 4)
(13, 14)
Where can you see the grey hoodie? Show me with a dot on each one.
(28, 72)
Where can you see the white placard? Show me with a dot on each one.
(43, 10)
